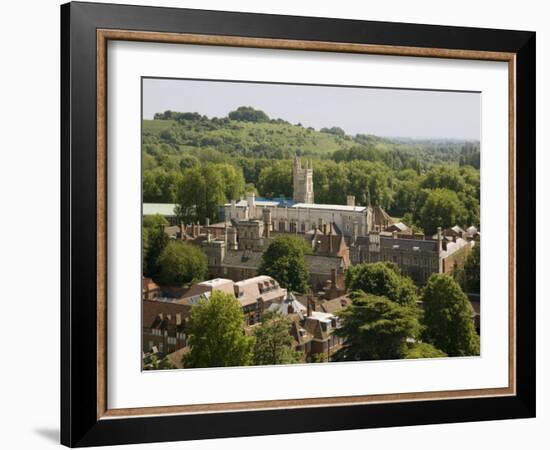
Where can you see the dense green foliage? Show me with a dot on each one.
(273, 341)
(247, 148)
(181, 263)
(154, 242)
(216, 334)
(382, 279)
(472, 270)
(284, 260)
(153, 362)
(448, 317)
(423, 350)
(375, 328)
(202, 189)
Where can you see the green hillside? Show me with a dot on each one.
(184, 152)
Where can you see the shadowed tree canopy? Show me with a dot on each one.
(248, 114)
(375, 328)
(284, 261)
(180, 263)
(442, 208)
(274, 342)
(382, 279)
(216, 334)
(472, 269)
(448, 317)
(423, 350)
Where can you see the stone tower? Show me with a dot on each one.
(302, 178)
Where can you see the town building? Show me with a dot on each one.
(303, 214)
(255, 295)
(417, 257)
(163, 323)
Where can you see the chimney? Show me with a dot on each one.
(310, 305)
(207, 221)
(439, 239)
(394, 234)
(350, 200)
(333, 278)
(233, 213)
(198, 228)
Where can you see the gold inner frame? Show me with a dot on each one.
(104, 35)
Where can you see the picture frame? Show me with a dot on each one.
(86, 418)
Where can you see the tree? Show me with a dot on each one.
(472, 269)
(200, 192)
(180, 263)
(284, 260)
(276, 180)
(448, 317)
(153, 362)
(442, 208)
(375, 328)
(216, 334)
(423, 350)
(233, 181)
(382, 279)
(154, 241)
(248, 114)
(274, 342)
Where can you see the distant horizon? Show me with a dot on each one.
(383, 112)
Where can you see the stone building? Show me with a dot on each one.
(417, 257)
(303, 214)
(255, 295)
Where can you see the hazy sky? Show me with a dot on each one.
(383, 112)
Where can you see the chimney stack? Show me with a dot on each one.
(207, 221)
(198, 228)
(333, 278)
(439, 239)
(350, 200)
(394, 234)
(310, 305)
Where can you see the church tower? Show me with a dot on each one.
(302, 178)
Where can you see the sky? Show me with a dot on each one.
(365, 110)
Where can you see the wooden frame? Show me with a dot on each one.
(86, 418)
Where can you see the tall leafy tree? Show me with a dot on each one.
(180, 263)
(442, 208)
(448, 317)
(201, 191)
(154, 241)
(472, 270)
(276, 180)
(284, 260)
(274, 342)
(374, 328)
(216, 334)
(382, 279)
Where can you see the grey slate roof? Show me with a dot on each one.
(323, 264)
(404, 244)
(243, 258)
